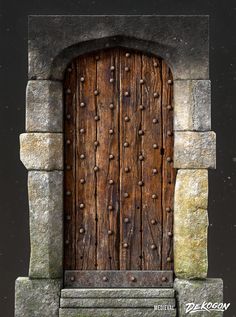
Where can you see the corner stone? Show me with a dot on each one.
(44, 106)
(195, 149)
(42, 151)
(198, 292)
(45, 190)
(191, 224)
(37, 298)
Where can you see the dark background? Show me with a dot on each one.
(14, 232)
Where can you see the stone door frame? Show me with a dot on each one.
(182, 41)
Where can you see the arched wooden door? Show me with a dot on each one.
(119, 176)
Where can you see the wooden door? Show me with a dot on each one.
(119, 176)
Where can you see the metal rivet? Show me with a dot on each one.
(141, 157)
(111, 131)
(153, 246)
(126, 195)
(169, 81)
(112, 68)
(169, 133)
(126, 93)
(154, 171)
(68, 141)
(68, 116)
(96, 143)
(111, 182)
(168, 259)
(168, 209)
(140, 183)
(111, 106)
(168, 159)
(154, 196)
(155, 146)
(68, 91)
(127, 54)
(96, 118)
(127, 169)
(72, 278)
(69, 69)
(155, 64)
(82, 104)
(141, 132)
(110, 207)
(67, 242)
(82, 181)
(169, 107)
(96, 92)
(96, 168)
(164, 279)
(126, 68)
(127, 118)
(141, 107)
(68, 217)
(82, 130)
(82, 79)
(81, 206)
(105, 279)
(111, 156)
(133, 279)
(112, 80)
(81, 230)
(97, 57)
(82, 156)
(126, 220)
(154, 120)
(126, 144)
(170, 234)
(68, 193)
(125, 245)
(110, 232)
(153, 221)
(156, 95)
(141, 81)
(68, 167)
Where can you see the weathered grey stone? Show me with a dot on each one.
(115, 312)
(37, 298)
(195, 149)
(45, 191)
(44, 106)
(192, 105)
(42, 151)
(191, 224)
(55, 40)
(115, 302)
(198, 292)
(117, 292)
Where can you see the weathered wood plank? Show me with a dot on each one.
(85, 178)
(107, 160)
(130, 165)
(168, 172)
(152, 144)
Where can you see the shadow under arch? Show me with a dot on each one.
(61, 61)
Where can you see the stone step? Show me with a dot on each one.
(118, 293)
(115, 312)
(116, 302)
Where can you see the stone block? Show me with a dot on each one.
(37, 298)
(192, 105)
(45, 191)
(44, 106)
(198, 292)
(42, 151)
(195, 149)
(191, 224)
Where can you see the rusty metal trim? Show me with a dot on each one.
(121, 279)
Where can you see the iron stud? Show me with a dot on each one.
(105, 279)
(170, 234)
(154, 171)
(110, 232)
(82, 130)
(141, 157)
(111, 182)
(154, 121)
(164, 279)
(154, 196)
(155, 146)
(68, 91)
(168, 209)
(153, 221)
(68, 193)
(141, 81)
(126, 144)
(81, 230)
(97, 57)
(68, 217)
(82, 104)
(168, 259)
(82, 79)
(140, 183)
(127, 169)
(125, 245)
(111, 156)
(110, 207)
(68, 141)
(153, 246)
(81, 206)
(133, 279)
(141, 132)
(126, 195)
(72, 278)
(68, 167)
(96, 92)
(82, 181)
(141, 107)
(112, 80)
(169, 81)
(96, 143)
(168, 159)
(96, 168)
(155, 64)
(111, 131)
(156, 95)
(67, 242)
(127, 69)
(96, 118)
(126, 220)
(169, 133)
(68, 116)
(169, 107)
(69, 69)
(126, 94)
(127, 54)
(112, 68)
(126, 119)
(82, 156)
(111, 106)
